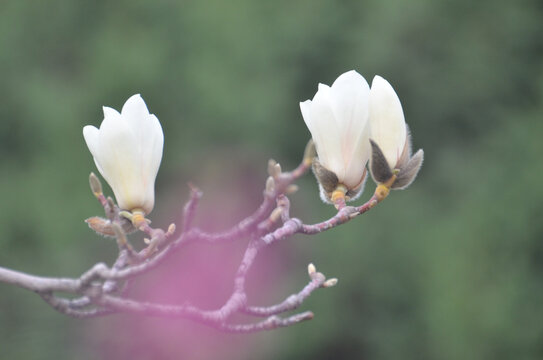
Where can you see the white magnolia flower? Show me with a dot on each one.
(127, 150)
(387, 122)
(337, 118)
(390, 139)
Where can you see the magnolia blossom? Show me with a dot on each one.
(127, 150)
(337, 118)
(387, 122)
(390, 139)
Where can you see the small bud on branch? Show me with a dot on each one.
(329, 283)
(95, 184)
(270, 185)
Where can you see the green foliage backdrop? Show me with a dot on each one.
(450, 269)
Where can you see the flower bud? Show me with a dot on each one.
(311, 269)
(276, 170)
(271, 167)
(291, 189)
(270, 184)
(127, 150)
(95, 184)
(171, 229)
(330, 282)
(391, 161)
(337, 118)
(104, 227)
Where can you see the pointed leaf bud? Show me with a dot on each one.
(127, 150)
(291, 189)
(330, 282)
(171, 229)
(95, 184)
(276, 170)
(275, 214)
(270, 184)
(104, 227)
(337, 118)
(110, 202)
(271, 167)
(311, 269)
(100, 225)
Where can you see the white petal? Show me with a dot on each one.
(350, 94)
(337, 118)
(320, 126)
(151, 150)
(110, 112)
(357, 158)
(134, 106)
(305, 108)
(91, 135)
(151, 131)
(326, 133)
(135, 112)
(322, 87)
(387, 123)
(119, 159)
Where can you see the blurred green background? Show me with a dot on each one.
(452, 268)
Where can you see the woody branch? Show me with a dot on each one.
(100, 290)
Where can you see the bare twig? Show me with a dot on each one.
(247, 225)
(189, 211)
(291, 302)
(273, 322)
(72, 309)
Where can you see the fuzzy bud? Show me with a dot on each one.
(291, 189)
(330, 282)
(276, 171)
(95, 184)
(275, 214)
(271, 166)
(270, 184)
(171, 229)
